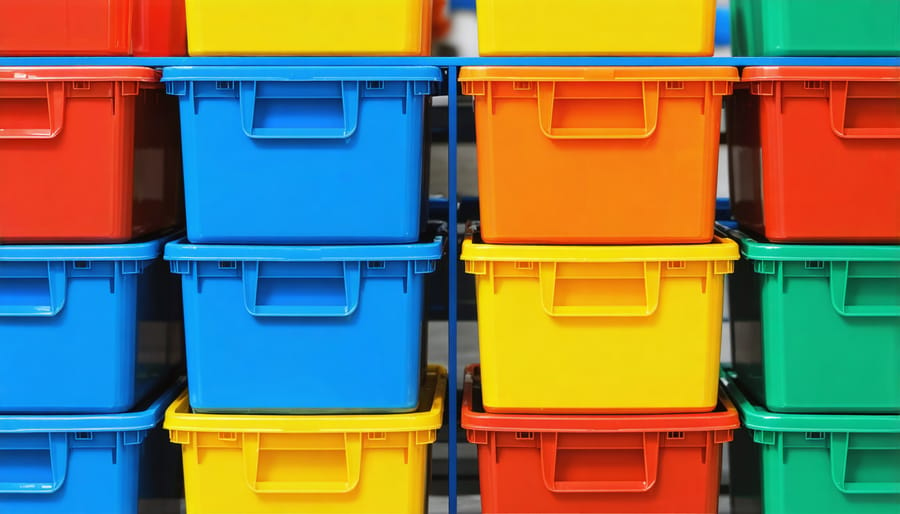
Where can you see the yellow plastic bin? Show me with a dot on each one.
(596, 27)
(621, 329)
(247, 464)
(309, 27)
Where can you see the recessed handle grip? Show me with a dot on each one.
(43, 127)
(548, 276)
(547, 98)
(350, 94)
(549, 459)
(352, 279)
(352, 462)
(56, 293)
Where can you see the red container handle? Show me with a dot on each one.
(838, 106)
(56, 104)
(550, 450)
(546, 96)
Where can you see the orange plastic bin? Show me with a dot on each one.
(815, 154)
(93, 27)
(87, 154)
(570, 155)
(647, 463)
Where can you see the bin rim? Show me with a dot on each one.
(144, 249)
(758, 249)
(79, 73)
(598, 73)
(724, 417)
(756, 417)
(428, 416)
(821, 73)
(302, 73)
(145, 416)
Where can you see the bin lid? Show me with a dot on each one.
(757, 248)
(144, 417)
(183, 250)
(473, 249)
(301, 73)
(724, 417)
(821, 73)
(140, 250)
(597, 73)
(428, 416)
(756, 417)
(80, 73)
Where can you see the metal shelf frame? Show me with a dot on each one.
(451, 66)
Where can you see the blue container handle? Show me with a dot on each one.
(350, 94)
(59, 461)
(352, 279)
(56, 283)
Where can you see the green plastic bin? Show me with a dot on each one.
(813, 463)
(816, 328)
(786, 28)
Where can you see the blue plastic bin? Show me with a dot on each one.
(303, 155)
(85, 328)
(296, 329)
(76, 464)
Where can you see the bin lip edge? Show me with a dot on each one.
(725, 417)
(758, 249)
(598, 73)
(142, 250)
(178, 416)
(79, 73)
(183, 250)
(301, 73)
(757, 417)
(149, 416)
(821, 73)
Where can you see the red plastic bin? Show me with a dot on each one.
(649, 463)
(93, 27)
(89, 155)
(815, 153)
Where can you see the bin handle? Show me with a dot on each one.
(546, 95)
(56, 106)
(839, 450)
(59, 462)
(837, 102)
(548, 280)
(352, 461)
(350, 95)
(838, 281)
(352, 279)
(56, 283)
(550, 450)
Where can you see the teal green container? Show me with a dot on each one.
(793, 28)
(816, 328)
(813, 463)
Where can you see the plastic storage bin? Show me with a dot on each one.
(309, 27)
(784, 28)
(595, 314)
(67, 464)
(303, 155)
(596, 27)
(814, 153)
(666, 463)
(89, 155)
(378, 464)
(585, 155)
(813, 463)
(85, 329)
(92, 27)
(321, 328)
(817, 328)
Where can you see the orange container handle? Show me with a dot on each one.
(546, 96)
(56, 106)
(352, 460)
(548, 280)
(838, 105)
(550, 451)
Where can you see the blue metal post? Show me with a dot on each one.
(452, 305)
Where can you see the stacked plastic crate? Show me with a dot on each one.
(815, 304)
(305, 261)
(599, 277)
(90, 320)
